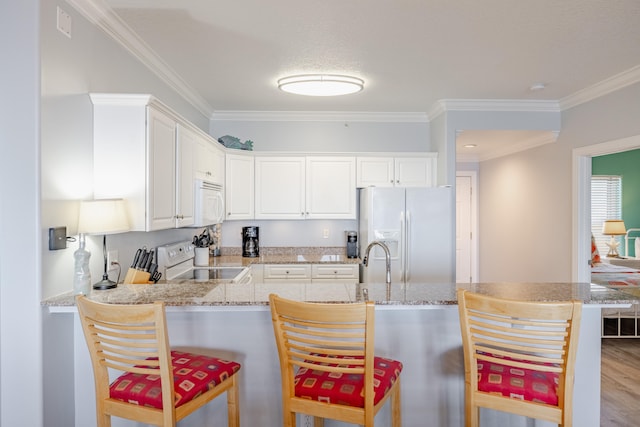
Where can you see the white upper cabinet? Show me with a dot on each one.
(310, 187)
(138, 157)
(280, 187)
(418, 170)
(239, 192)
(209, 161)
(184, 177)
(331, 188)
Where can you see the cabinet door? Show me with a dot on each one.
(415, 171)
(184, 177)
(161, 169)
(218, 173)
(239, 187)
(375, 172)
(280, 188)
(331, 188)
(209, 161)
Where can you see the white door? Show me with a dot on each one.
(464, 232)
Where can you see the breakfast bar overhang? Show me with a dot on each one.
(416, 324)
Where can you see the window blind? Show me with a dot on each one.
(606, 203)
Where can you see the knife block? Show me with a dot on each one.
(137, 276)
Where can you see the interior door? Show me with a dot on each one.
(463, 229)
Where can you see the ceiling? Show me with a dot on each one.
(411, 53)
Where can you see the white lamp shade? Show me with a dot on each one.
(613, 227)
(105, 216)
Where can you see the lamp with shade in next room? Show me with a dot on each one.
(613, 228)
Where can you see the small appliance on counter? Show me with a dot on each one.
(250, 246)
(352, 244)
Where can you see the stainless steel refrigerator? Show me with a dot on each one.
(417, 224)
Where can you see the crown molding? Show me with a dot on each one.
(489, 105)
(319, 116)
(612, 84)
(101, 15)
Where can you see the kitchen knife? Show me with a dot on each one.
(148, 261)
(136, 258)
(143, 260)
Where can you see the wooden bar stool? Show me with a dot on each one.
(519, 357)
(327, 364)
(157, 385)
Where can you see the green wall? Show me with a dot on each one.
(627, 165)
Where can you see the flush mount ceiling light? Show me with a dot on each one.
(321, 84)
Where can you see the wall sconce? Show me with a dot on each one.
(613, 227)
(106, 216)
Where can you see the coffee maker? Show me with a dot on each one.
(250, 247)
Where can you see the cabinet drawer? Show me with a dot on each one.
(287, 271)
(334, 271)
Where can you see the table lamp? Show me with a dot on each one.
(103, 216)
(613, 228)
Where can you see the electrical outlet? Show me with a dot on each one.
(325, 233)
(306, 420)
(112, 257)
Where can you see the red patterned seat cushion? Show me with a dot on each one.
(192, 375)
(517, 383)
(346, 389)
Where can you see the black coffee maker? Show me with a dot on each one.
(250, 246)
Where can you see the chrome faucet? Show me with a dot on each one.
(387, 256)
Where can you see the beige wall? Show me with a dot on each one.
(526, 198)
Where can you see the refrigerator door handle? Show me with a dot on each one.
(407, 236)
(403, 246)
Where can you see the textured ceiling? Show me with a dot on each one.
(411, 53)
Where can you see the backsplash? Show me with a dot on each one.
(288, 250)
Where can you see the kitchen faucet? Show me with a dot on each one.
(387, 256)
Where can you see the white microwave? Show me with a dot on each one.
(209, 203)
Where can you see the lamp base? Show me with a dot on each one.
(105, 284)
(613, 248)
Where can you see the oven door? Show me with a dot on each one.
(209, 204)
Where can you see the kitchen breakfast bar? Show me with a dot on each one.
(416, 324)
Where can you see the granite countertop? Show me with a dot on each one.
(220, 293)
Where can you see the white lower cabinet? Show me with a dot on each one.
(332, 273)
(309, 273)
(298, 273)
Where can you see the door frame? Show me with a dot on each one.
(581, 200)
(475, 232)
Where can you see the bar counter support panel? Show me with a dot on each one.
(426, 339)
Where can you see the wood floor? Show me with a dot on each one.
(620, 403)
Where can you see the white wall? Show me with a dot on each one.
(90, 61)
(21, 353)
(526, 198)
